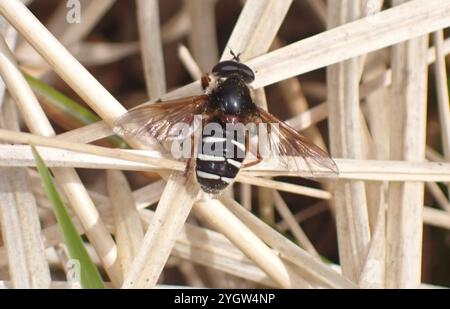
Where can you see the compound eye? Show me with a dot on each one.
(229, 67)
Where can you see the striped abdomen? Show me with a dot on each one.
(219, 160)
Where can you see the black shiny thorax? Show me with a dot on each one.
(232, 97)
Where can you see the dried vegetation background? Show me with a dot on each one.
(365, 79)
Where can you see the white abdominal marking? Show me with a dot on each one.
(234, 162)
(226, 179)
(238, 145)
(205, 157)
(207, 175)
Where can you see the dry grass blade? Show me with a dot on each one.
(347, 142)
(20, 155)
(53, 285)
(103, 53)
(19, 220)
(304, 215)
(202, 37)
(284, 186)
(408, 126)
(298, 105)
(88, 133)
(189, 62)
(165, 239)
(377, 170)
(151, 48)
(91, 11)
(294, 227)
(433, 155)
(129, 231)
(62, 61)
(10, 35)
(342, 43)
(199, 245)
(68, 34)
(442, 93)
(351, 40)
(20, 228)
(436, 217)
(213, 212)
(308, 266)
(246, 196)
(256, 28)
(372, 272)
(120, 154)
(68, 178)
(438, 195)
(168, 220)
(206, 247)
(172, 211)
(148, 195)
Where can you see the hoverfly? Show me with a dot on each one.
(226, 100)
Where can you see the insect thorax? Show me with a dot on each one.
(232, 97)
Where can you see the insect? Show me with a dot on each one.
(226, 100)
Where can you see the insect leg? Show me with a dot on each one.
(257, 154)
(257, 161)
(205, 81)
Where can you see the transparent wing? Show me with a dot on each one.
(163, 121)
(290, 149)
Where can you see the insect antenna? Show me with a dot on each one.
(235, 57)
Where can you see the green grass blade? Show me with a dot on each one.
(89, 275)
(69, 107)
(62, 102)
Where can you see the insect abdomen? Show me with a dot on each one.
(219, 161)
